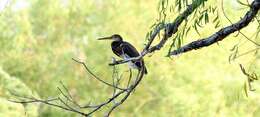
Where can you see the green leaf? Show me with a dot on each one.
(230, 58)
(215, 19)
(217, 24)
(179, 42)
(206, 18)
(187, 31)
(242, 3)
(234, 47)
(245, 89)
(214, 9)
(196, 29)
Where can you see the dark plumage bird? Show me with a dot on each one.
(125, 50)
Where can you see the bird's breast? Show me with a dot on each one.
(116, 48)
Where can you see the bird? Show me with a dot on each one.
(125, 50)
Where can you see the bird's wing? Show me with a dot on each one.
(117, 51)
(129, 49)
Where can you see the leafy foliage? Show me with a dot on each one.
(11, 85)
(37, 43)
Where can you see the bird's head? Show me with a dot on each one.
(115, 37)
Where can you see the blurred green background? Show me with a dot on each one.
(38, 38)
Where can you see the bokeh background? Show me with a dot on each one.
(38, 38)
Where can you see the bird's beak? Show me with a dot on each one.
(105, 38)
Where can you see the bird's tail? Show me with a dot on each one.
(139, 64)
(145, 70)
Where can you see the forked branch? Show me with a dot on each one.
(66, 101)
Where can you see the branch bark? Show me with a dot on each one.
(222, 33)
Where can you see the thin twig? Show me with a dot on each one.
(99, 79)
(69, 96)
(47, 102)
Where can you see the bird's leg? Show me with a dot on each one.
(113, 60)
(130, 77)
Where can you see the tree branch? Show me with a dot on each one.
(71, 105)
(222, 33)
(169, 30)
